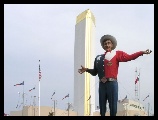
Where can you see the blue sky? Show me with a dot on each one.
(46, 32)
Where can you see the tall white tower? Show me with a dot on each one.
(84, 54)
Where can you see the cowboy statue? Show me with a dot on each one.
(106, 66)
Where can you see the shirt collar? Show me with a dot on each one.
(108, 51)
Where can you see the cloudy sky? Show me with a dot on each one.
(46, 32)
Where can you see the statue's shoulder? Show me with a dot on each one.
(101, 55)
(98, 57)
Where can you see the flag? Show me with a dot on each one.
(89, 98)
(146, 97)
(124, 98)
(17, 106)
(53, 94)
(39, 72)
(19, 84)
(32, 89)
(65, 96)
(137, 79)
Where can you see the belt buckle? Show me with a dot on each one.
(110, 79)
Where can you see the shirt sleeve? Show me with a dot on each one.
(93, 71)
(124, 57)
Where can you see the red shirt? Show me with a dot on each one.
(112, 59)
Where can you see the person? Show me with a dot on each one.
(106, 66)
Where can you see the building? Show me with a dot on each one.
(129, 107)
(44, 111)
(125, 107)
(84, 51)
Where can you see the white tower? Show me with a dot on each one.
(84, 54)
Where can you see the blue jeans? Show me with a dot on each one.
(108, 91)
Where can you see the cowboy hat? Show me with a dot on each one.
(108, 37)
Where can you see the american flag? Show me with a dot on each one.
(19, 84)
(39, 72)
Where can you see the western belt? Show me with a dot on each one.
(109, 79)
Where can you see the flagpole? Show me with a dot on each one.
(39, 98)
(39, 88)
(23, 100)
(139, 91)
(135, 84)
(68, 106)
(148, 103)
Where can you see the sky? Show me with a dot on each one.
(46, 32)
